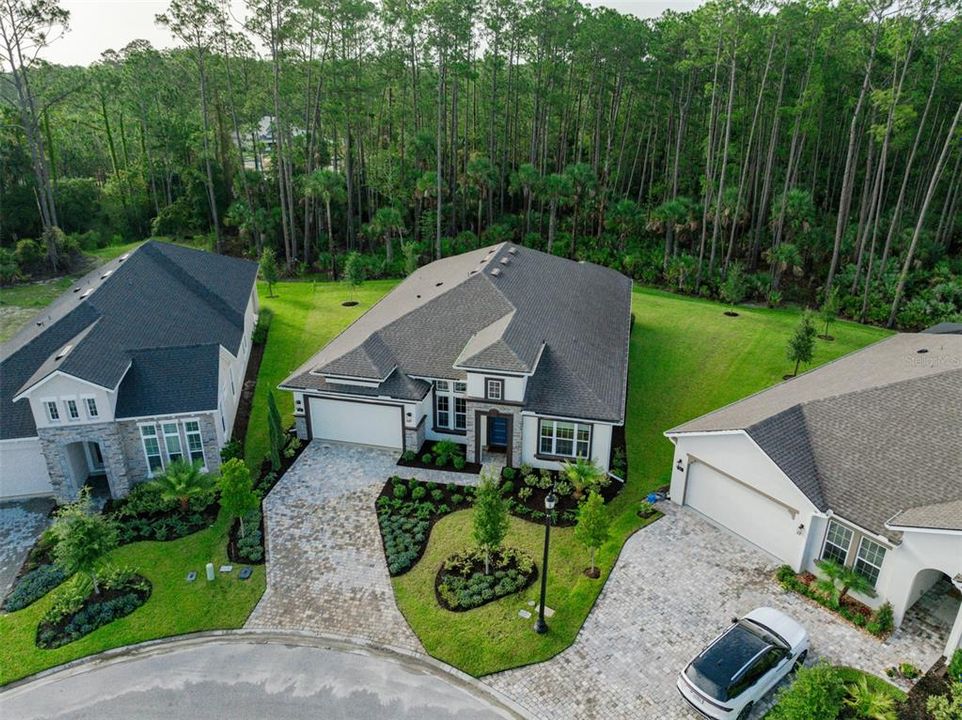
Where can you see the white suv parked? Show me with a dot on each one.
(742, 664)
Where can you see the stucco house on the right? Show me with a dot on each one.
(859, 460)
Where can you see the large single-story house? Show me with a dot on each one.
(858, 461)
(519, 355)
(138, 364)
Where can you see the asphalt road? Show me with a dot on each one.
(246, 680)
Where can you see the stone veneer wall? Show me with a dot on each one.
(134, 450)
(414, 439)
(300, 426)
(54, 442)
(513, 410)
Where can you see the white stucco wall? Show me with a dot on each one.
(61, 387)
(231, 367)
(736, 455)
(23, 469)
(513, 386)
(600, 444)
(919, 550)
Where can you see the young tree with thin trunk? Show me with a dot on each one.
(83, 536)
(237, 496)
(490, 518)
(801, 345)
(592, 529)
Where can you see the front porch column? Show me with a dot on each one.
(955, 634)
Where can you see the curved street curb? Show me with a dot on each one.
(360, 646)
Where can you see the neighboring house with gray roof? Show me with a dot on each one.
(518, 355)
(859, 461)
(139, 364)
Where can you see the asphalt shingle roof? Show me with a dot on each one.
(158, 296)
(501, 308)
(873, 434)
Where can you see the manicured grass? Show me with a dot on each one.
(112, 251)
(305, 316)
(687, 358)
(175, 606)
(493, 637)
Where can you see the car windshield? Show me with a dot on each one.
(729, 658)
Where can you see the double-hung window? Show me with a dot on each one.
(450, 406)
(869, 559)
(195, 443)
(53, 412)
(148, 437)
(172, 441)
(838, 540)
(73, 412)
(493, 389)
(564, 439)
(90, 404)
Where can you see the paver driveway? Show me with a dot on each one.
(326, 572)
(676, 585)
(674, 588)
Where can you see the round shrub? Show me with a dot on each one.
(458, 462)
(419, 492)
(426, 458)
(507, 487)
(400, 491)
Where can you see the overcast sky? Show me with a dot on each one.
(98, 25)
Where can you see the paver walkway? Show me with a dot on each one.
(326, 571)
(674, 588)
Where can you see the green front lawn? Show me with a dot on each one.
(305, 316)
(175, 606)
(687, 358)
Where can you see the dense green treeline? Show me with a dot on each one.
(802, 145)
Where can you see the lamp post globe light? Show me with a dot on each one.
(550, 501)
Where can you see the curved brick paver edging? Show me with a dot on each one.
(410, 660)
(326, 572)
(674, 588)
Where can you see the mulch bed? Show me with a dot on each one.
(243, 416)
(448, 489)
(232, 537)
(934, 682)
(563, 511)
(428, 447)
(263, 485)
(476, 568)
(848, 602)
(104, 596)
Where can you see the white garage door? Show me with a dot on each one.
(356, 422)
(23, 470)
(754, 516)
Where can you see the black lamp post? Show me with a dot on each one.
(541, 626)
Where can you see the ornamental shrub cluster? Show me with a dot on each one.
(250, 546)
(880, 624)
(403, 538)
(33, 586)
(78, 612)
(145, 515)
(464, 585)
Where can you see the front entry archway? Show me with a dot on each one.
(937, 613)
(87, 468)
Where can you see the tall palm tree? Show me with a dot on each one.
(556, 189)
(583, 185)
(482, 174)
(387, 222)
(183, 481)
(329, 186)
(526, 180)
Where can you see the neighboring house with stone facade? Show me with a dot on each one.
(857, 461)
(519, 355)
(139, 364)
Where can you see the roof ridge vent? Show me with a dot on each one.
(513, 250)
(505, 260)
(123, 257)
(62, 353)
(496, 272)
(106, 275)
(86, 293)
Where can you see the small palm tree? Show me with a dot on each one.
(583, 475)
(183, 481)
(869, 703)
(839, 580)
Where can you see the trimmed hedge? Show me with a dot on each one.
(880, 624)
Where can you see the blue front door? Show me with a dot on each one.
(497, 432)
